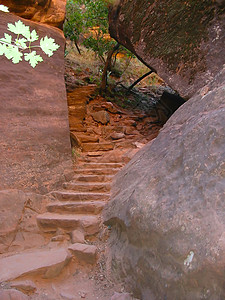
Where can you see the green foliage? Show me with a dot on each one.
(89, 19)
(74, 24)
(14, 48)
(4, 8)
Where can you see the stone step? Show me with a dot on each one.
(75, 196)
(84, 252)
(105, 171)
(94, 178)
(89, 147)
(79, 128)
(88, 187)
(99, 165)
(47, 263)
(50, 222)
(88, 138)
(92, 207)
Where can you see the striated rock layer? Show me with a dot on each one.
(167, 211)
(50, 12)
(182, 41)
(34, 130)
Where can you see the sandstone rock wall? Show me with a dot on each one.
(34, 132)
(50, 12)
(182, 41)
(167, 210)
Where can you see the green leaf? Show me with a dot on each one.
(33, 36)
(48, 45)
(13, 53)
(4, 8)
(21, 43)
(2, 49)
(20, 28)
(33, 58)
(7, 39)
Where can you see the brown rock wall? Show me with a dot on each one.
(50, 12)
(34, 132)
(182, 41)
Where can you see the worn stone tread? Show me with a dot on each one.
(49, 263)
(88, 187)
(100, 165)
(52, 221)
(94, 178)
(89, 147)
(103, 171)
(76, 196)
(84, 252)
(94, 207)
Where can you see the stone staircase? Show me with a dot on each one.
(79, 204)
(72, 220)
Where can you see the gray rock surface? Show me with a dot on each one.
(167, 210)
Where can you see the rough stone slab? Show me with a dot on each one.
(77, 236)
(11, 294)
(48, 263)
(94, 178)
(75, 196)
(83, 252)
(88, 147)
(88, 187)
(96, 171)
(93, 207)
(101, 117)
(102, 165)
(88, 138)
(51, 221)
(95, 154)
(26, 286)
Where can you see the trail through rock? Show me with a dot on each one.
(71, 263)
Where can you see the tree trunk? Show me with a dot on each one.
(139, 79)
(106, 67)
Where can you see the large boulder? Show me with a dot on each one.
(50, 12)
(167, 210)
(34, 129)
(182, 40)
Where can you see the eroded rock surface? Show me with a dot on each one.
(34, 130)
(182, 41)
(50, 12)
(18, 227)
(167, 209)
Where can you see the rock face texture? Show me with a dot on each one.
(50, 12)
(18, 226)
(182, 41)
(167, 211)
(34, 130)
